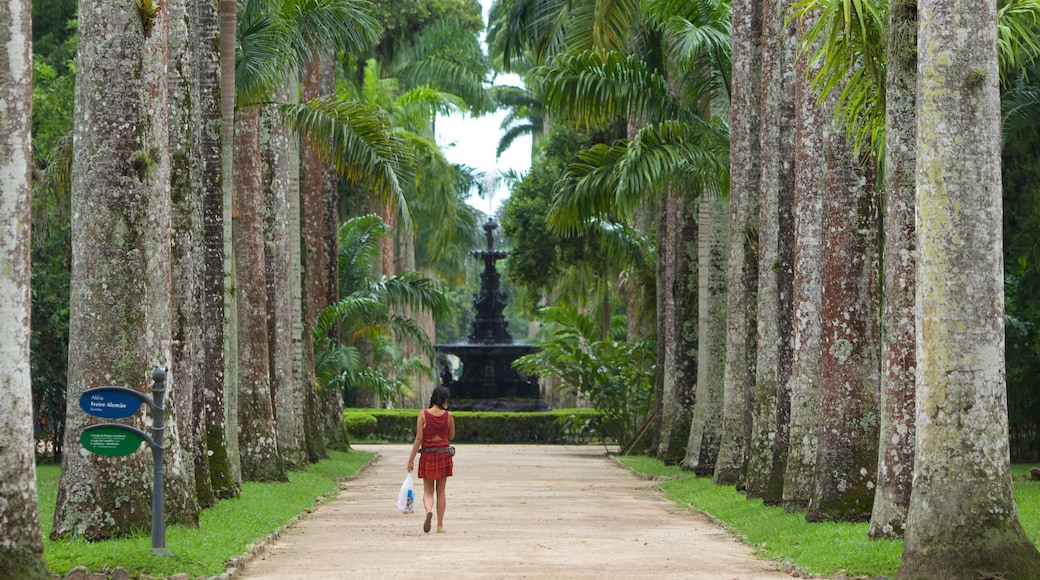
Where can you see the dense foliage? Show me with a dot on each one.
(1022, 278)
(615, 376)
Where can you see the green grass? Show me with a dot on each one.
(225, 530)
(828, 548)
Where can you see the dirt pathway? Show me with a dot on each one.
(514, 511)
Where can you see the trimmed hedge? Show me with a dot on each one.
(568, 426)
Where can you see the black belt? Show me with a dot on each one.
(450, 450)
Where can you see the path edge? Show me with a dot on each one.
(236, 563)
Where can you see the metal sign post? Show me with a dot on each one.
(158, 428)
(116, 439)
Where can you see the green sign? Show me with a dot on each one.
(110, 439)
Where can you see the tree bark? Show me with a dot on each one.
(962, 521)
(846, 455)
(278, 270)
(772, 406)
(228, 98)
(315, 286)
(811, 131)
(675, 380)
(743, 247)
(187, 251)
(302, 366)
(702, 447)
(120, 310)
(899, 360)
(21, 545)
(335, 433)
(211, 461)
(257, 436)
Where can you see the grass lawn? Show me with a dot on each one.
(228, 529)
(225, 530)
(828, 548)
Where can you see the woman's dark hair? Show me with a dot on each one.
(440, 397)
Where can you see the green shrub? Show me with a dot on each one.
(557, 426)
(359, 424)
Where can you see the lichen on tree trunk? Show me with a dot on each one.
(21, 545)
(810, 188)
(899, 357)
(962, 520)
(846, 455)
(743, 232)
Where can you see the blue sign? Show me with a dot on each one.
(111, 402)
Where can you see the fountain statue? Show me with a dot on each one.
(489, 382)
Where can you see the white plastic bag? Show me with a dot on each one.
(406, 497)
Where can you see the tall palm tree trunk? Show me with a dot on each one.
(743, 247)
(846, 455)
(120, 308)
(257, 436)
(228, 25)
(332, 399)
(188, 252)
(772, 407)
(675, 382)
(277, 168)
(21, 546)
(315, 269)
(961, 407)
(810, 189)
(899, 357)
(702, 447)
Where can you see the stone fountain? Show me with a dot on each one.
(488, 381)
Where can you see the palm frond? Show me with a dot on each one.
(588, 188)
(329, 25)
(262, 39)
(359, 248)
(1018, 35)
(415, 291)
(415, 108)
(521, 32)
(847, 40)
(592, 90)
(358, 139)
(671, 153)
(512, 134)
(454, 63)
(1020, 108)
(602, 26)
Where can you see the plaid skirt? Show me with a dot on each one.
(435, 465)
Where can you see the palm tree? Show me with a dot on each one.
(368, 310)
(848, 39)
(961, 410)
(188, 266)
(120, 313)
(593, 88)
(277, 42)
(745, 146)
(22, 552)
(526, 117)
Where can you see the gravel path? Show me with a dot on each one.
(514, 511)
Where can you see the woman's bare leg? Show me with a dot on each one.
(427, 499)
(442, 501)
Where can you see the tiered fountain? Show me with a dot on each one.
(489, 382)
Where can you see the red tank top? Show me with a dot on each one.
(435, 433)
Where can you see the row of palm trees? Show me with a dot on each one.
(205, 237)
(821, 367)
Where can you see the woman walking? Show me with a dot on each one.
(434, 430)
